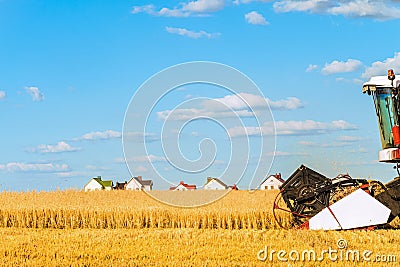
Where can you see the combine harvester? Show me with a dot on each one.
(317, 202)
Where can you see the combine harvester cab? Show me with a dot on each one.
(317, 202)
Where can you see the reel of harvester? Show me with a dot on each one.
(306, 192)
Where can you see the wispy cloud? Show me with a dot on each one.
(190, 113)
(163, 12)
(354, 80)
(255, 18)
(145, 158)
(239, 103)
(238, 2)
(311, 67)
(380, 10)
(324, 145)
(140, 136)
(2, 95)
(341, 66)
(105, 135)
(96, 168)
(288, 154)
(381, 67)
(349, 138)
(190, 33)
(192, 8)
(308, 127)
(341, 141)
(313, 6)
(35, 93)
(58, 148)
(203, 6)
(246, 100)
(34, 167)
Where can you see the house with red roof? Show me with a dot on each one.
(183, 187)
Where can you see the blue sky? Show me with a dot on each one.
(70, 68)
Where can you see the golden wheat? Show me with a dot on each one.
(190, 247)
(129, 228)
(132, 209)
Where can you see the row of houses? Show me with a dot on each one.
(137, 183)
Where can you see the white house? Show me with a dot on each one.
(183, 187)
(137, 183)
(97, 184)
(214, 184)
(272, 182)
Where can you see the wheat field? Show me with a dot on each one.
(129, 228)
(135, 209)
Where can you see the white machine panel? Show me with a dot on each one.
(359, 209)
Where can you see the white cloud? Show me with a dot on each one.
(204, 6)
(357, 81)
(149, 9)
(140, 136)
(239, 103)
(58, 148)
(96, 168)
(308, 127)
(314, 6)
(365, 8)
(187, 114)
(105, 135)
(35, 93)
(380, 10)
(193, 8)
(341, 66)
(290, 103)
(287, 154)
(341, 141)
(67, 174)
(245, 100)
(238, 2)
(354, 80)
(35, 167)
(164, 12)
(325, 145)
(311, 67)
(146, 158)
(255, 18)
(381, 67)
(360, 150)
(191, 34)
(349, 138)
(2, 94)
